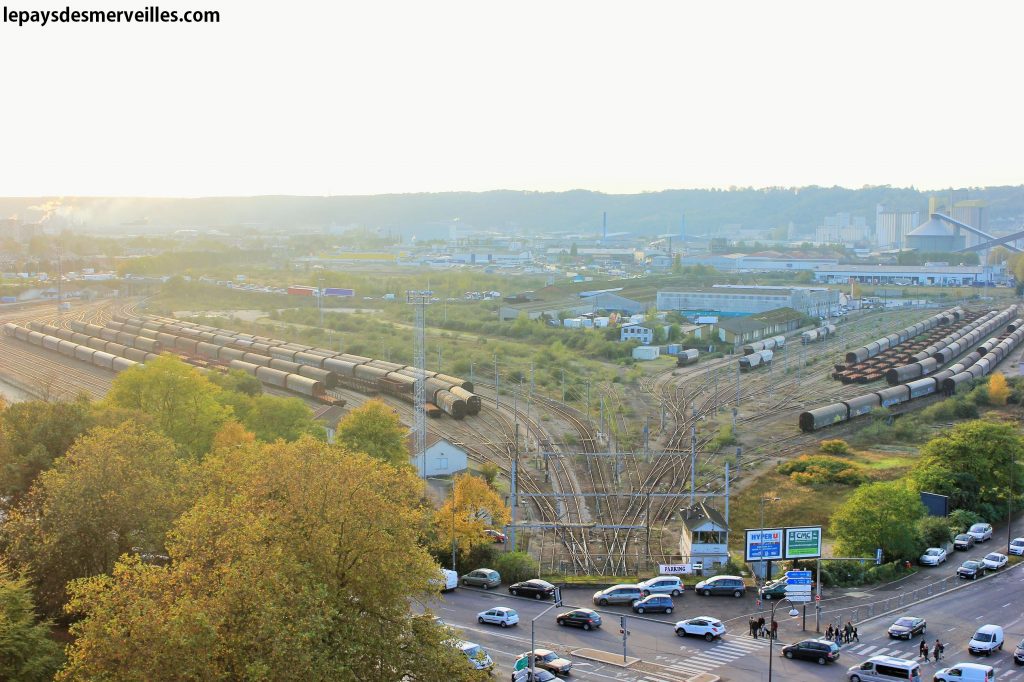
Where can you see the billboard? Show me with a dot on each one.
(763, 544)
(803, 543)
(937, 505)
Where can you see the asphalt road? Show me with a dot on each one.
(953, 617)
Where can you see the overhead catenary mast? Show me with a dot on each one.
(420, 300)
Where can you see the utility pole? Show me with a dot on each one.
(693, 464)
(563, 385)
(496, 391)
(420, 300)
(588, 398)
(737, 384)
(514, 490)
(439, 359)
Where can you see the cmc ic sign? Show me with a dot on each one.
(803, 543)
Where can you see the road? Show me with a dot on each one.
(953, 617)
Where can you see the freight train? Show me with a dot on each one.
(451, 395)
(687, 357)
(819, 334)
(761, 358)
(98, 358)
(974, 365)
(768, 344)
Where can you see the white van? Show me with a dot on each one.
(885, 669)
(451, 579)
(987, 639)
(966, 672)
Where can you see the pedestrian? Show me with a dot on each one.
(855, 637)
(751, 625)
(937, 653)
(923, 649)
(828, 632)
(839, 636)
(849, 631)
(760, 625)
(775, 629)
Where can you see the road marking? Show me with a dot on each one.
(865, 651)
(951, 629)
(1006, 604)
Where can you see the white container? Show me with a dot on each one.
(646, 352)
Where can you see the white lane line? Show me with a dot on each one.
(1006, 604)
(951, 629)
(866, 650)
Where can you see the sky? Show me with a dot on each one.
(375, 97)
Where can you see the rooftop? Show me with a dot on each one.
(698, 515)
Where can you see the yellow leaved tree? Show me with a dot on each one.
(998, 389)
(472, 507)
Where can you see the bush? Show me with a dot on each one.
(515, 567)
(934, 531)
(836, 448)
(723, 438)
(480, 556)
(822, 470)
(959, 520)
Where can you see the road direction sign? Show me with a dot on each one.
(798, 589)
(798, 574)
(799, 598)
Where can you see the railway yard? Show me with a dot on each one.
(584, 507)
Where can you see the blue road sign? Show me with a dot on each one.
(798, 574)
(798, 581)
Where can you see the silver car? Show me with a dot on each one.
(980, 532)
(482, 577)
(618, 594)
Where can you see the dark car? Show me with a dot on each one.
(776, 589)
(580, 618)
(536, 588)
(1018, 653)
(656, 603)
(963, 542)
(970, 569)
(821, 651)
(906, 627)
(540, 675)
(730, 585)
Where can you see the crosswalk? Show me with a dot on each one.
(706, 660)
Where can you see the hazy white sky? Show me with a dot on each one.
(304, 97)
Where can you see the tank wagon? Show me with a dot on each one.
(97, 358)
(973, 366)
(761, 358)
(819, 334)
(768, 344)
(687, 357)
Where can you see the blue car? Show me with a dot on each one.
(656, 603)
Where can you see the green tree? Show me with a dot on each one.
(878, 515)
(270, 417)
(272, 579)
(374, 428)
(934, 531)
(33, 434)
(515, 567)
(972, 463)
(238, 381)
(116, 489)
(27, 653)
(182, 402)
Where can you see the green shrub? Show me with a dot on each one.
(836, 447)
(934, 531)
(822, 470)
(515, 567)
(959, 520)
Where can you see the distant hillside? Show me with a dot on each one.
(426, 215)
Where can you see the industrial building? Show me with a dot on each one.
(892, 226)
(933, 274)
(573, 305)
(744, 262)
(637, 332)
(741, 330)
(936, 236)
(443, 458)
(732, 300)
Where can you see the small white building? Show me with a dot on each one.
(646, 352)
(443, 458)
(636, 332)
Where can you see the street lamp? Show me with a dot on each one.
(771, 640)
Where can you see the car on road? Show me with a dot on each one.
(618, 594)
(580, 618)
(1018, 653)
(906, 627)
(980, 532)
(536, 588)
(821, 651)
(500, 615)
(933, 556)
(496, 535)
(478, 658)
(482, 577)
(656, 603)
(1016, 546)
(702, 626)
(966, 672)
(722, 584)
(987, 639)
(970, 569)
(548, 660)
(885, 669)
(993, 561)
(963, 542)
(663, 584)
(448, 580)
(538, 676)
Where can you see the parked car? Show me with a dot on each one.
(702, 626)
(933, 556)
(993, 561)
(500, 615)
(618, 594)
(496, 535)
(478, 658)
(963, 542)
(548, 660)
(980, 532)
(722, 584)
(1018, 653)
(987, 639)
(1016, 546)
(482, 577)
(966, 672)
(821, 651)
(536, 588)
(775, 589)
(580, 618)
(538, 676)
(970, 569)
(885, 669)
(663, 584)
(906, 627)
(655, 603)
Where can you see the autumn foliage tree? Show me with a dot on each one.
(374, 428)
(998, 389)
(472, 507)
(275, 575)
